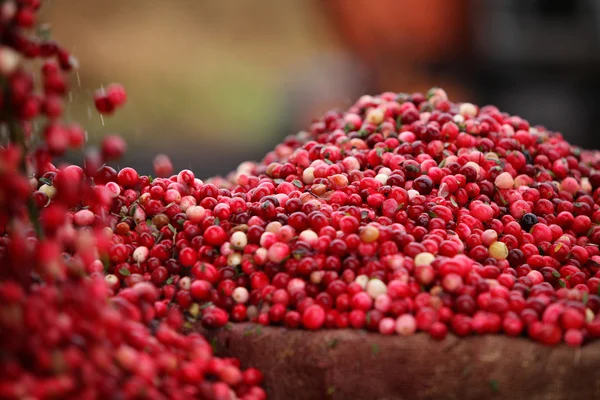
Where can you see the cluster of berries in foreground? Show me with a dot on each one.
(404, 213)
(65, 332)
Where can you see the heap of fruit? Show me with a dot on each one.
(404, 213)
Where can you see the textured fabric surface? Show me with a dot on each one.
(346, 364)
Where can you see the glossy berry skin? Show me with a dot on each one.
(313, 317)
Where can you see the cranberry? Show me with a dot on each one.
(313, 317)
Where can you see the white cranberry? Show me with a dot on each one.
(382, 178)
(375, 287)
(49, 190)
(185, 283)
(234, 259)
(140, 254)
(467, 110)
(362, 280)
(424, 258)
(308, 175)
(238, 239)
(316, 277)
(9, 60)
(240, 295)
(309, 237)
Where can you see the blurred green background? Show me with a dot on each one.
(212, 83)
(206, 79)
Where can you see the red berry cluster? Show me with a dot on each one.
(404, 213)
(72, 340)
(109, 99)
(65, 331)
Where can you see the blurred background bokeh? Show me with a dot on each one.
(212, 83)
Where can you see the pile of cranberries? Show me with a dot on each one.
(404, 213)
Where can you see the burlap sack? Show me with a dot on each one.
(346, 364)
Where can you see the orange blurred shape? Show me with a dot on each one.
(418, 30)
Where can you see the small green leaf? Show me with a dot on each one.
(562, 283)
(132, 210)
(453, 201)
(297, 183)
(43, 32)
(568, 278)
(214, 344)
(432, 214)
(431, 92)
(348, 127)
(172, 228)
(106, 263)
(363, 133)
(124, 272)
(331, 344)
(494, 385)
(278, 181)
(206, 305)
(402, 98)
(374, 348)
(328, 161)
(540, 249)
(217, 221)
(585, 298)
(46, 181)
(169, 281)
(556, 274)
(150, 179)
(399, 122)
(379, 151)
